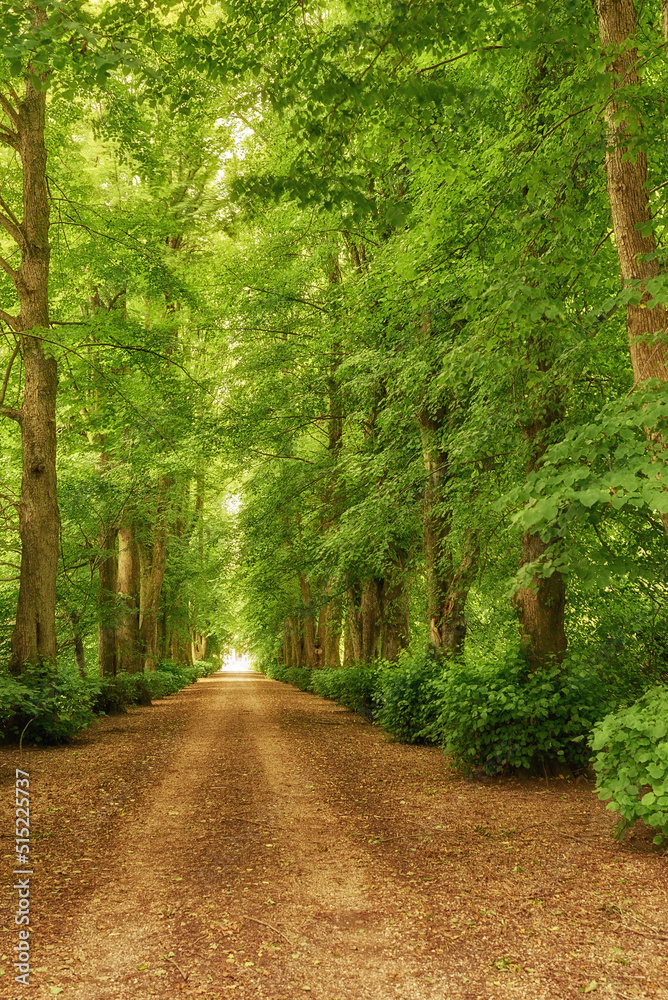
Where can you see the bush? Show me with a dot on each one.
(352, 687)
(299, 676)
(53, 706)
(274, 671)
(632, 762)
(12, 698)
(409, 697)
(496, 715)
(205, 668)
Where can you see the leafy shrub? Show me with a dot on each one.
(12, 696)
(632, 747)
(108, 697)
(351, 687)
(299, 676)
(409, 696)
(274, 671)
(53, 706)
(205, 668)
(161, 684)
(180, 673)
(496, 714)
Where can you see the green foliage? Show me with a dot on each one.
(495, 715)
(409, 698)
(300, 677)
(114, 695)
(631, 762)
(53, 706)
(353, 687)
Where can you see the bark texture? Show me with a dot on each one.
(541, 606)
(627, 185)
(34, 636)
(106, 605)
(127, 588)
(152, 565)
(447, 586)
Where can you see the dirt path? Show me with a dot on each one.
(243, 839)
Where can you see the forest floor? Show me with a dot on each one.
(243, 840)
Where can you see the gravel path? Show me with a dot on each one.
(243, 839)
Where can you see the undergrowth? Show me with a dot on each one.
(50, 706)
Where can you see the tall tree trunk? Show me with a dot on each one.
(540, 606)
(34, 636)
(394, 606)
(152, 563)
(79, 651)
(628, 190)
(447, 586)
(329, 635)
(106, 603)
(127, 587)
(628, 193)
(362, 622)
(308, 624)
(198, 647)
(540, 609)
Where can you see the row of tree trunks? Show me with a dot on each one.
(129, 596)
(376, 624)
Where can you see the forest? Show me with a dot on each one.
(336, 332)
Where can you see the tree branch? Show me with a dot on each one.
(12, 229)
(11, 321)
(6, 266)
(9, 138)
(5, 208)
(11, 413)
(9, 110)
(8, 372)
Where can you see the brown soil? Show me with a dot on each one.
(244, 840)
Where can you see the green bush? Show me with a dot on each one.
(181, 674)
(274, 671)
(632, 762)
(351, 687)
(108, 697)
(497, 715)
(53, 706)
(12, 697)
(299, 676)
(205, 668)
(409, 698)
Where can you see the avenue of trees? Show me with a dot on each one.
(338, 327)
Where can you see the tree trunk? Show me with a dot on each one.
(127, 586)
(348, 644)
(540, 609)
(152, 565)
(308, 625)
(629, 196)
(628, 191)
(152, 569)
(34, 636)
(198, 647)
(329, 636)
(79, 652)
(541, 606)
(394, 605)
(106, 604)
(447, 587)
(363, 622)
